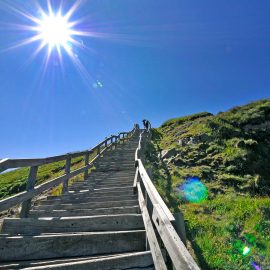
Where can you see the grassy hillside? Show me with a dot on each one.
(230, 153)
(15, 181)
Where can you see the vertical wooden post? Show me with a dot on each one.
(117, 140)
(29, 186)
(86, 162)
(67, 171)
(179, 226)
(106, 142)
(111, 143)
(98, 150)
(146, 202)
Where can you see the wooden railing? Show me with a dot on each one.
(31, 191)
(158, 220)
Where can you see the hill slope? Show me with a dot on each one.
(230, 154)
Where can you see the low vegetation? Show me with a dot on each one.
(230, 153)
(13, 182)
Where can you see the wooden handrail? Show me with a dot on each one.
(29, 162)
(161, 217)
(153, 193)
(32, 190)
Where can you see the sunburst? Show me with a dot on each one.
(56, 31)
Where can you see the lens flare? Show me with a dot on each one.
(256, 266)
(193, 190)
(246, 250)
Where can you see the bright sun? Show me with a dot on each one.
(55, 30)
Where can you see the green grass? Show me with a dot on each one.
(223, 226)
(14, 182)
(231, 156)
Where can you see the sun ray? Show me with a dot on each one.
(73, 9)
(22, 43)
(56, 34)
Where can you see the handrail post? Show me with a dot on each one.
(111, 142)
(98, 150)
(29, 186)
(86, 162)
(106, 142)
(67, 171)
(115, 141)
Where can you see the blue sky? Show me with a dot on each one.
(154, 59)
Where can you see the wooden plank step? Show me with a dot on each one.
(118, 159)
(88, 199)
(117, 164)
(112, 174)
(116, 169)
(112, 191)
(114, 160)
(113, 188)
(97, 191)
(93, 195)
(32, 226)
(116, 182)
(70, 245)
(110, 179)
(102, 183)
(110, 186)
(85, 212)
(120, 167)
(105, 181)
(88, 205)
(130, 260)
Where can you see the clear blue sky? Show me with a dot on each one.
(154, 59)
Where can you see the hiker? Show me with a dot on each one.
(146, 124)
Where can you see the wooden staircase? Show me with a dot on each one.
(96, 225)
(114, 219)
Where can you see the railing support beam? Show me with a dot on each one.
(29, 186)
(67, 171)
(86, 162)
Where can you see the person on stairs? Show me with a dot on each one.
(146, 124)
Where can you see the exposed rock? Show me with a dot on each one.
(183, 141)
(194, 140)
(165, 154)
(180, 132)
(260, 127)
(240, 144)
(178, 161)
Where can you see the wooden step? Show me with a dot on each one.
(85, 212)
(111, 174)
(122, 167)
(129, 160)
(93, 194)
(101, 184)
(70, 245)
(32, 226)
(104, 188)
(101, 189)
(104, 181)
(110, 178)
(88, 205)
(61, 199)
(131, 260)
